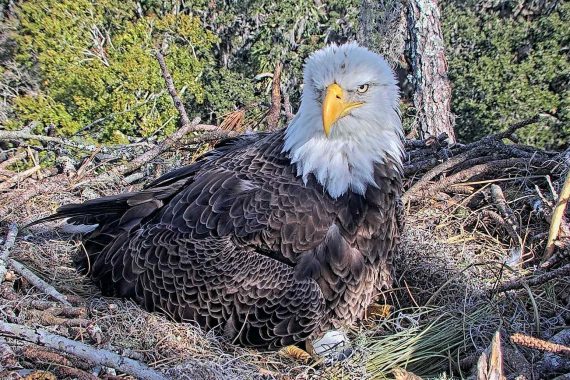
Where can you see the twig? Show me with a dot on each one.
(164, 145)
(172, 90)
(513, 128)
(424, 182)
(38, 282)
(275, 109)
(22, 135)
(511, 224)
(557, 217)
(19, 177)
(541, 345)
(95, 355)
(8, 245)
(426, 191)
(534, 280)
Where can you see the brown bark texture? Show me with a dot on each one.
(432, 88)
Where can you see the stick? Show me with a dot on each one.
(38, 282)
(64, 366)
(424, 182)
(8, 245)
(19, 177)
(164, 145)
(513, 128)
(275, 109)
(96, 355)
(511, 224)
(427, 190)
(172, 90)
(541, 345)
(520, 283)
(23, 135)
(557, 217)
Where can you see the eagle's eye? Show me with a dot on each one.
(362, 88)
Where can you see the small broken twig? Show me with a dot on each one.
(8, 245)
(557, 216)
(95, 355)
(541, 345)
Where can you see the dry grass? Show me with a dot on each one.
(445, 310)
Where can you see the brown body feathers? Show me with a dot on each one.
(238, 242)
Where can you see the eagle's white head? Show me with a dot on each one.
(348, 119)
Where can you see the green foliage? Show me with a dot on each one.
(504, 70)
(94, 65)
(96, 62)
(97, 69)
(256, 34)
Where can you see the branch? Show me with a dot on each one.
(513, 128)
(557, 216)
(163, 146)
(23, 135)
(8, 245)
(172, 90)
(534, 280)
(63, 366)
(97, 356)
(426, 191)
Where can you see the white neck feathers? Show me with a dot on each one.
(342, 163)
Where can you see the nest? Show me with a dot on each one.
(471, 264)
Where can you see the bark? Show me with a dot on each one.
(432, 89)
(275, 110)
(408, 33)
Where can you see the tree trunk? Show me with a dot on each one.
(408, 33)
(432, 90)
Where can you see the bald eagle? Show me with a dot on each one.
(270, 238)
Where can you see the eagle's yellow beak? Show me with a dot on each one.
(335, 106)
